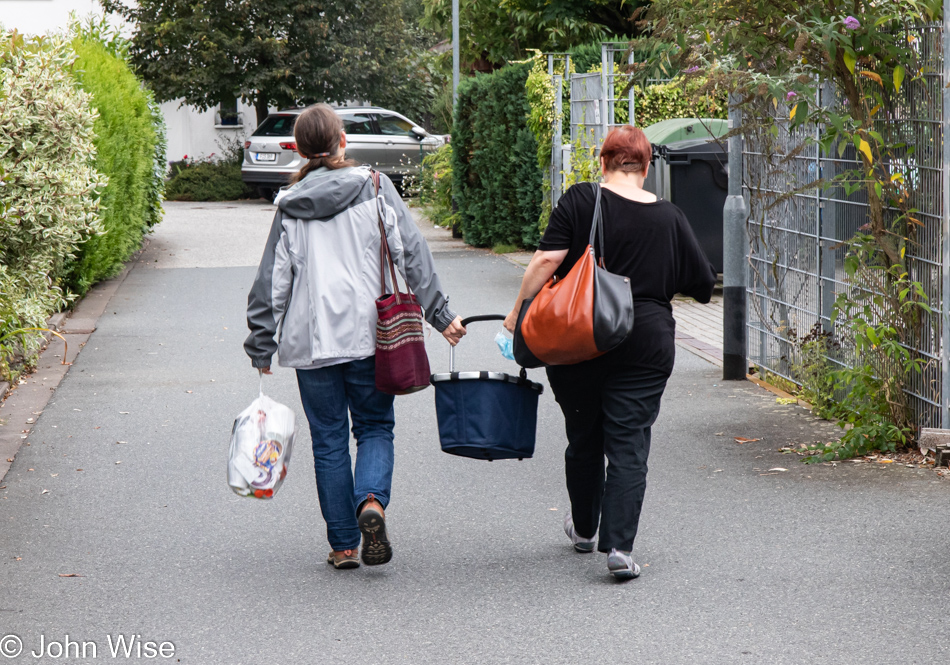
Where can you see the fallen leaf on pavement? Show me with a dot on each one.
(10, 459)
(70, 575)
(20, 558)
(885, 461)
(54, 475)
(778, 468)
(719, 433)
(742, 439)
(45, 492)
(189, 391)
(78, 469)
(119, 462)
(786, 400)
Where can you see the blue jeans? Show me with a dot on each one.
(327, 394)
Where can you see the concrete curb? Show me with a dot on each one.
(22, 406)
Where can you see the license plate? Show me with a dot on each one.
(266, 157)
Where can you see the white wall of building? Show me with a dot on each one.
(196, 133)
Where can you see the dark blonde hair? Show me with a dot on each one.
(317, 135)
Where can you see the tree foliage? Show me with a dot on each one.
(498, 31)
(278, 53)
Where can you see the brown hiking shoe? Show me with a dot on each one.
(344, 559)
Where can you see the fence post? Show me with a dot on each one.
(945, 228)
(556, 140)
(604, 95)
(631, 111)
(827, 225)
(455, 52)
(735, 365)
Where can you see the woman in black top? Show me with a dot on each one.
(610, 403)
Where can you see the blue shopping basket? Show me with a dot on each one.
(486, 415)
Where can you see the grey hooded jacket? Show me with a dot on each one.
(319, 276)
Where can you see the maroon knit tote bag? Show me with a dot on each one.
(402, 366)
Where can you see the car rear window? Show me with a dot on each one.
(276, 125)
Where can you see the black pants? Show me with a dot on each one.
(609, 406)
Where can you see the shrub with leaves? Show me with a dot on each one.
(49, 185)
(435, 191)
(680, 98)
(496, 179)
(125, 145)
(213, 178)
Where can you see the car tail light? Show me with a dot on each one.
(247, 144)
(289, 146)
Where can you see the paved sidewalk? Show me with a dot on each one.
(116, 519)
(699, 327)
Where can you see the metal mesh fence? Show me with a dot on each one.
(586, 121)
(796, 228)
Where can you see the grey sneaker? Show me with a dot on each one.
(621, 565)
(581, 545)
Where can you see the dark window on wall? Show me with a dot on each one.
(228, 113)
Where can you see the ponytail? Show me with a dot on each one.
(317, 133)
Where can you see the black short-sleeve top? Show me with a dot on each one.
(651, 243)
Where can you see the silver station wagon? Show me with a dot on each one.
(383, 139)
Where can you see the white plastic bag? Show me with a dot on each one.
(261, 442)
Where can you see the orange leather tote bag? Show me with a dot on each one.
(580, 317)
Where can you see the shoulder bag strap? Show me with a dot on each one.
(385, 256)
(597, 225)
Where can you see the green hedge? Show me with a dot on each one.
(435, 187)
(50, 187)
(496, 179)
(207, 180)
(126, 148)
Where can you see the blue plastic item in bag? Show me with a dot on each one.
(504, 345)
(486, 415)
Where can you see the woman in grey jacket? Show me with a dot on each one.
(318, 281)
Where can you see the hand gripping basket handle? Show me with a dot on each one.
(465, 322)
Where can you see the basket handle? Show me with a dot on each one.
(465, 322)
(482, 317)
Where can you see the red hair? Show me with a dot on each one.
(627, 149)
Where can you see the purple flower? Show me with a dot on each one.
(692, 69)
(790, 96)
(852, 23)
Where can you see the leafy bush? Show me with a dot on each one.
(206, 180)
(435, 192)
(156, 186)
(495, 174)
(678, 99)
(98, 29)
(126, 145)
(50, 187)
